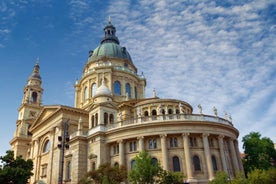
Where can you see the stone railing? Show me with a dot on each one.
(155, 119)
(169, 118)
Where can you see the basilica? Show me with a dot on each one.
(112, 121)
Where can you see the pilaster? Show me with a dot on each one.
(121, 152)
(233, 156)
(222, 154)
(141, 143)
(208, 156)
(187, 156)
(164, 151)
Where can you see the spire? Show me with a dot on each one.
(35, 73)
(33, 90)
(110, 33)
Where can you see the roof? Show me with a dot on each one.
(109, 46)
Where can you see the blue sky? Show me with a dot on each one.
(213, 53)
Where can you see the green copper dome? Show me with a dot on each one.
(109, 47)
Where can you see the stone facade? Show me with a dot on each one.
(112, 121)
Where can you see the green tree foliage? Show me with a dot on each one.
(259, 152)
(171, 177)
(16, 171)
(256, 176)
(144, 170)
(239, 179)
(105, 174)
(221, 177)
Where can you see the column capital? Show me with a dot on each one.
(185, 134)
(163, 135)
(52, 131)
(120, 141)
(140, 137)
(232, 139)
(221, 136)
(205, 134)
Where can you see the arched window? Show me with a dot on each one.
(128, 91)
(177, 111)
(214, 162)
(176, 164)
(46, 146)
(105, 118)
(93, 121)
(85, 93)
(170, 111)
(117, 88)
(146, 113)
(96, 119)
(116, 164)
(154, 161)
(154, 114)
(34, 97)
(68, 170)
(93, 89)
(132, 164)
(196, 163)
(111, 118)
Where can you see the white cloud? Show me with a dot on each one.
(204, 53)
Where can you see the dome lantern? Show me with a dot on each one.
(110, 34)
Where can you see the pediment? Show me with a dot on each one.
(110, 105)
(46, 113)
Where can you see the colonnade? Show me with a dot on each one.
(232, 145)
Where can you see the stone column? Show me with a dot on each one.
(222, 154)
(187, 156)
(121, 153)
(234, 156)
(208, 156)
(37, 165)
(51, 161)
(164, 151)
(141, 143)
(238, 155)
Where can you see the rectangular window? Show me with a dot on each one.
(211, 142)
(154, 144)
(193, 142)
(68, 170)
(150, 144)
(116, 149)
(171, 142)
(132, 146)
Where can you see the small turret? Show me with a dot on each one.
(27, 113)
(110, 33)
(33, 90)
